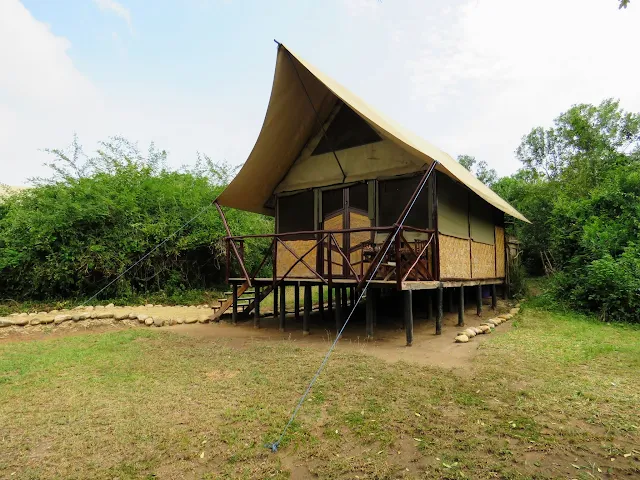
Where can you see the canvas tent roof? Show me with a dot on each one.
(301, 97)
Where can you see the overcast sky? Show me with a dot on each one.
(195, 75)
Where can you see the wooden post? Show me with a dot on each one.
(338, 312)
(450, 299)
(283, 306)
(234, 311)
(408, 315)
(352, 300)
(429, 304)
(321, 300)
(345, 299)
(440, 313)
(461, 307)
(256, 308)
(307, 309)
(276, 299)
(370, 311)
(479, 300)
(296, 300)
(494, 297)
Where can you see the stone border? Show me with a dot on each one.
(98, 312)
(486, 327)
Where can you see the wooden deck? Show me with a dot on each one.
(350, 282)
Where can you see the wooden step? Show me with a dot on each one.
(249, 291)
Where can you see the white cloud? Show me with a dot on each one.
(117, 8)
(45, 99)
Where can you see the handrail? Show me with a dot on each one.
(334, 231)
(407, 264)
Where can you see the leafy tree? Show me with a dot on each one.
(580, 186)
(480, 169)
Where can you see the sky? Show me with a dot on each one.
(470, 76)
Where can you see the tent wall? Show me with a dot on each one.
(364, 162)
(470, 234)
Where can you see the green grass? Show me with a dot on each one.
(556, 392)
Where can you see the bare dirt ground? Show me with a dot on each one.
(389, 342)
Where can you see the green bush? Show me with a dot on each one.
(94, 218)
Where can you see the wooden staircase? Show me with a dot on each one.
(246, 300)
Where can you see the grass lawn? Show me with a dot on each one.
(556, 396)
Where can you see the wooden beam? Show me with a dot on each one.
(440, 313)
(408, 315)
(338, 312)
(321, 300)
(283, 306)
(256, 308)
(494, 297)
(479, 300)
(296, 300)
(234, 312)
(276, 299)
(370, 311)
(307, 310)
(461, 307)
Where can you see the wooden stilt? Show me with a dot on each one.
(494, 297)
(321, 300)
(370, 311)
(330, 302)
(345, 299)
(440, 312)
(296, 300)
(338, 312)
(461, 307)
(256, 308)
(352, 297)
(307, 310)
(450, 299)
(283, 306)
(429, 304)
(276, 299)
(479, 300)
(408, 315)
(234, 312)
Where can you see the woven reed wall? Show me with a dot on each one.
(454, 257)
(357, 220)
(484, 260)
(500, 253)
(286, 259)
(334, 223)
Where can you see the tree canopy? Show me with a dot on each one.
(580, 186)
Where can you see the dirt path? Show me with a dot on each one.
(389, 341)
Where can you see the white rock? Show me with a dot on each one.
(34, 321)
(21, 322)
(149, 305)
(110, 305)
(203, 319)
(46, 320)
(190, 320)
(142, 318)
(105, 315)
(61, 318)
(148, 321)
(121, 316)
(462, 338)
(158, 322)
(180, 321)
(470, 332)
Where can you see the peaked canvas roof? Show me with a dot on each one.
(301, 97)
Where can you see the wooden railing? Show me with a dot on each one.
(326, 255)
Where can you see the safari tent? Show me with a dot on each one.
(358, 200)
